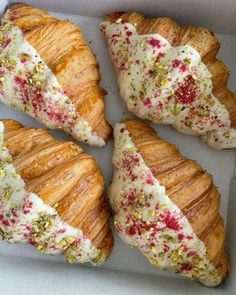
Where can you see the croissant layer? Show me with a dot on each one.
(64, 178)
(169, 73)
(190, 204)
(61, 46)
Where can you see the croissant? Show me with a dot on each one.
(169, 73)
(48, 71)
(51, 195)
(166, 205)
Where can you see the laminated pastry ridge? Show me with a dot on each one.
(24, 217)
(29, 85)
(166, 84)
(147, 218)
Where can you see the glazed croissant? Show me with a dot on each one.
(166, 205)
(48, 71)
(51, 195)
(168, 73)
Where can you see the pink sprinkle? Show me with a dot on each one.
(159, 105)
(133, 177)
(159, 56)
(149, 180)
(136, 159)
(128, 33)
(13, 211)
(166, 248)
(147, 102)
(115, 35)
(132, 230)
(5, 222)
(31, 242)
(183, 68)
(154, 42)
(150, 72)
(170, 221)
(131, 196)
(176, 63)
(180, 237)
(54, 116)
(19, 80)
(185, 267)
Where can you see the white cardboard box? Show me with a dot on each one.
(129, 272)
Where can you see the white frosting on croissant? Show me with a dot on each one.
(146, 217)
(28, 84)
(167, 84)
(24, 217)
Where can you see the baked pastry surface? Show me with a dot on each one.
(166, 205)
(169, 73)
(52, 195)
(49, 72)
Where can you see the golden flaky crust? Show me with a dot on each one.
(201, 39)
(187, 185)
(63, 176)
(63, 48)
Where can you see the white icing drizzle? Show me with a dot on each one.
(146, 217)
(166, 84)
(24, 217)
(28, 84)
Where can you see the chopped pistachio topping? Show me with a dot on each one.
(29, 85)
(167, 84)
(146, 217)
(25, 218)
